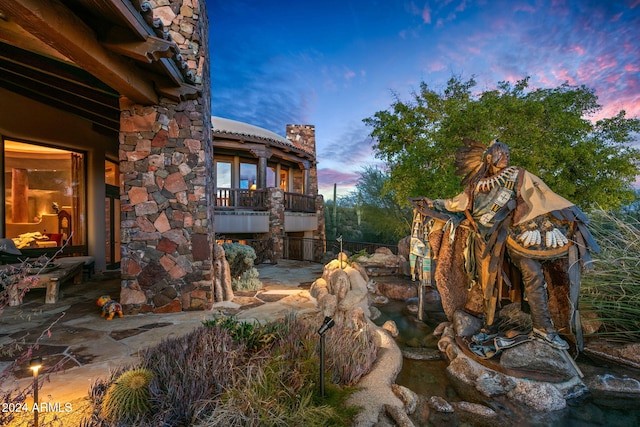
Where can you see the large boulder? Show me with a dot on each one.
(341, 290)
(477, 381)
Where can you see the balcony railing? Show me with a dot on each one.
(294, 202)
(240, 198)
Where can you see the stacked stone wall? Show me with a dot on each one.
(304, 137)
(166, 192)
(275, 206)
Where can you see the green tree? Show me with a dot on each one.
(345, 222)
(380, 218)
(549, 131)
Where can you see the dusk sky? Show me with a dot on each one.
(333, 63)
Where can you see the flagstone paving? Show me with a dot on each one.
(88, 346)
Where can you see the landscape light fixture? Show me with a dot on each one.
(35, 364)
(339, 240)
(326, 325)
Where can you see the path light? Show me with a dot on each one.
(35, 364)
(326, 325)
(339, 239)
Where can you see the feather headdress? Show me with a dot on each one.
(469, 161)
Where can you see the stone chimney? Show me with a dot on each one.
(304, 137)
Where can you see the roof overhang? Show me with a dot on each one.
(82, 55)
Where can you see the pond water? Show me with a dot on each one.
(428, 378)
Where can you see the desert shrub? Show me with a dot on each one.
(232, 373)
(252, 334)
(612, 289)
(361, 253)
(281, 388)
(248, 281)
(190, 369)
(350, 353)
(240, 257)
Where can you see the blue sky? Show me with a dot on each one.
(333, 63)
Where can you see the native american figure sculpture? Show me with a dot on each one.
(508, 237)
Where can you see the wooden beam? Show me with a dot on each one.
(60, 28)
(132, 17)
(150, 50)
(181, 93)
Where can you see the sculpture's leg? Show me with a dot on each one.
(536, 293)
(535, 290)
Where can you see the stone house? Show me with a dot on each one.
(106, 141)
(267, 190)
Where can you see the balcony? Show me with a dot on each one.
(239, 210)
(256, 200)
(240, 199)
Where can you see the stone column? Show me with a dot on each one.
(166, 196)
(304, 137)
(275, 206)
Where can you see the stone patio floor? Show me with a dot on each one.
(89, 346)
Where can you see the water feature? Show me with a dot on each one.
(428, 378)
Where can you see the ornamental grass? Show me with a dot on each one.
(611, 292)
(231, 373)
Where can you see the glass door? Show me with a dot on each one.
(112, 215)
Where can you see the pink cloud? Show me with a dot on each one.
(426, 15)
(613, 78)
(436, 66)
(632, 68)
(577, 49)
(344, 181)
(616, 17)
(562, 75)
(606, 61)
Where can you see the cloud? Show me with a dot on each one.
(332, 176)
(352, 146)
(262, 89)
(426, 15)
(345, 182)
(349, 74)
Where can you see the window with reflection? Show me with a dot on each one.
(45, 200)
(271, 176)
(223, 174)
(248, 174)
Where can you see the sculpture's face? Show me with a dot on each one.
(497, 157)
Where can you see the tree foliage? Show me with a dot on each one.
(382, 219)
(370, 213)
(548, 130)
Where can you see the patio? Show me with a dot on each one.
(83, 346)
